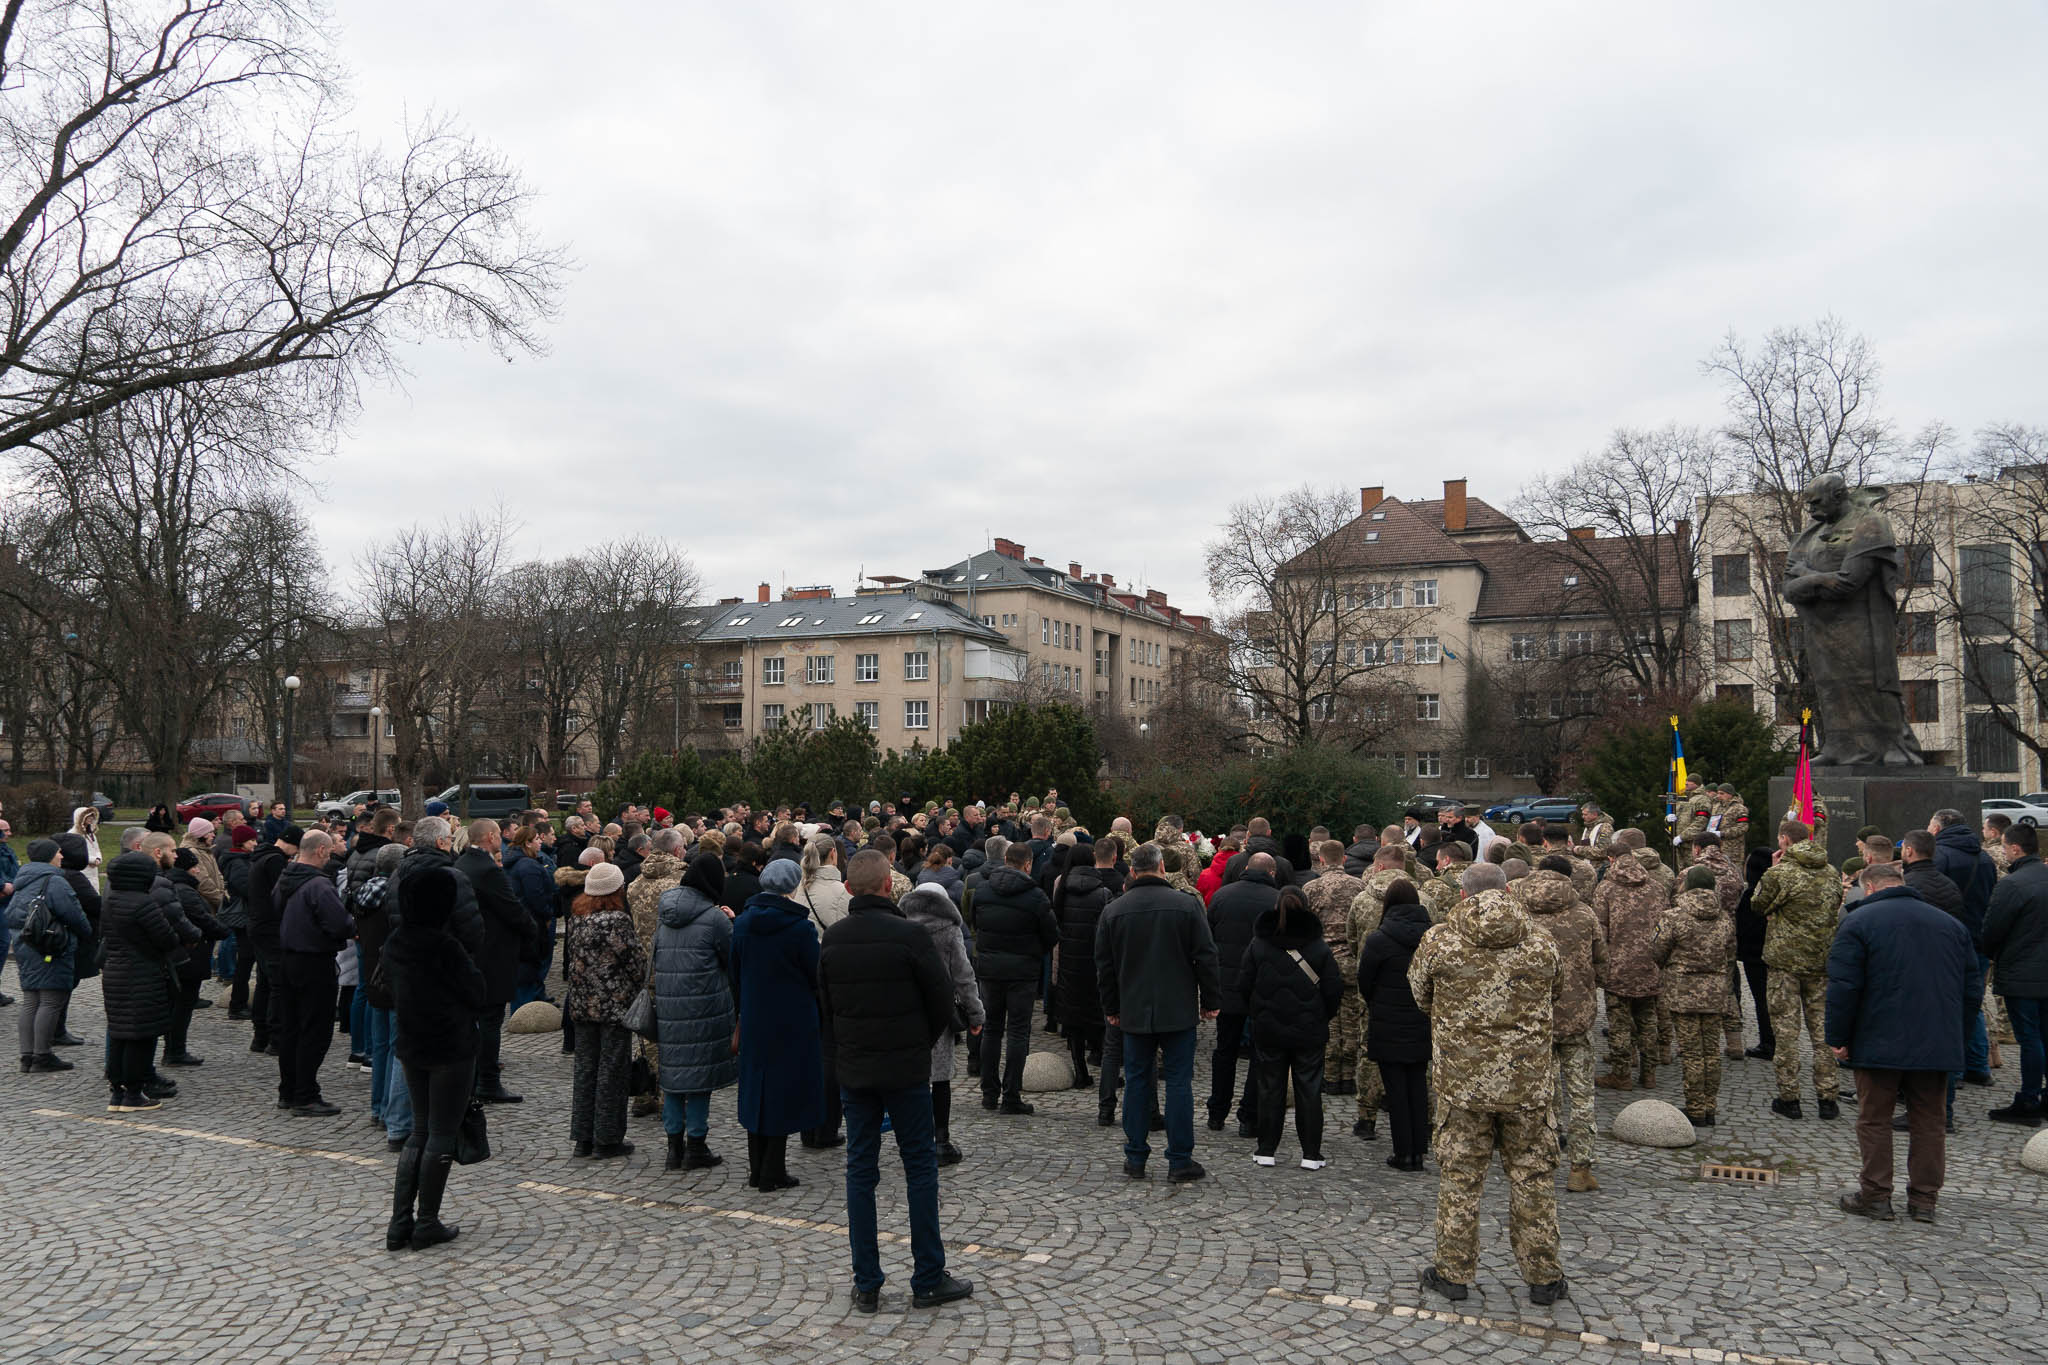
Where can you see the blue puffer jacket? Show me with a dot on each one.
(693, 992)
(57, 972)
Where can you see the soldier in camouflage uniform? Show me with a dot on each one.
(1628, 905)
(1557, 843)
(1555, 907)
(1599, 828)
(1367, 909)
(1489, 981)
(1694, 811)
(1330, 896)
(1180, 864)
(1120, 832)
(1734, 827)
(1661, 873)
(1691, 946)
(1801, 902)
(1708, 852)
(1441, 893)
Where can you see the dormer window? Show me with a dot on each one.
(1571, 580)
(870, 619)
(1380, 515)
(916, 615)
(739, 620)
(796, 620)
(1372, 535)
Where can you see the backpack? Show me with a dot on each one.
(42, 931)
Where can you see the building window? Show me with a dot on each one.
(771, 671)
(1427, 650)
(1478, 769)
(1524, 768)
(1990, 747)
(1401, 764)
(1521, 647)
(1731, 642)
(917, 665)
(1741, 692)
(1916, 632)
(1321, 707)
(1990, 675)
(870, 619)
(771, 716)
(1525, 706)
(867, 668)
(735, 673)
(917, 714)
(1923, 701)
(869, 713)
(976, 709)
(818, 668)
(1044, 631)
(1425, 595)
(1374, 596)
(1429, 763)
(734, 717)
(1986, 587)
(1396, 649)
(823, 713)
(1394, 594)
(1578, 642)
(1428, 706)
(1919, 564)
(1731, 575)
(1580, 703)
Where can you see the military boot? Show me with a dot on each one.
(1582, 1181)
(1649, 1078)
(1614, 1080)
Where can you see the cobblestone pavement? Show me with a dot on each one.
(218, 1229)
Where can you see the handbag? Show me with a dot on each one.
(473, 1137)
(639, 1016)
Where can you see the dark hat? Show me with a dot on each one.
(42, 850)
(72, 846)
(437, 808)
(185, 858)
(706, 873)
(292, 835)
(1402, 892)
(781, 876)
(428, 901)
(1699, 879)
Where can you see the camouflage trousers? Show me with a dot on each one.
(1699, 1050)
(1665, 1034)
(1466, 1140)
(1797, 996)
(1632, 1033)
(1731, 1014)
(1366, 1077)
(1347, 1039)
(1997, 1027)
(1573, 1059)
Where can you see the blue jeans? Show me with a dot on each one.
(2026, 1015)
(1977, 1046)
(224, 959)
(1177, 1066)
(358, 1005)
(397, 1097)
(910, 1111)
(378, 1027)
(688, 1114)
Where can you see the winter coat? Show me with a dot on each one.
(85, 960)
(467, 922)
(1013, 927)
(368, 905)
(138, 982)
(1330, 895)
(884, 996)
(693, 1007)
(1628, 903)
(1397, 1030)
(1233, 922)
(1289, 1008)
(1155, 959)
(660, 873)
(234, 877)
(2016, 930)
(508, 929)
(941, 919)
(361, 864)
(775, 987)
(266, 911)
(1959, 855)
(1211, 880)
(1801, 901)
(826, 897)
(1692, 945)
(534, 884)
(1489, 981)
(607, 967)
(948, 879)
(57, 971)
(1554, 907)
(1077, 904)
(195, 961)
(1749, 925)
(568, 886)
(437, 993)
(740, 887)
(1371, 903)
(1937, 890)
(206, 874)
(314, 919)
(1903, 985)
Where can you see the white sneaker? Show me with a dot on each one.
(1313, 1163)
(1263, 1160)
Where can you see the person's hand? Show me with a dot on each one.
(1210, 1014)
(974, 1032)
(1113, 1021)
(1841, 1053)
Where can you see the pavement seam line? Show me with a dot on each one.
(1517, 1327)
(226, 1139)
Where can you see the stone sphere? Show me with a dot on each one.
(538, 1016)
(1654, 1123)
(2034, 1156)
(1048, 1071)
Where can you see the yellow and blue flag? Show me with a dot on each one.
(1677, 759)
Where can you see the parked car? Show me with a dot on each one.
(1511, 808)
(492, 800)
(1517, 810)
(1426, 801)
(344, 805)
(570, 800)
(2021, 811)
(211, 805)
(102, 803)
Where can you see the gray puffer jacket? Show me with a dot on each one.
(931, 909)
(693, 993)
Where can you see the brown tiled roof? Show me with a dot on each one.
(1525, 579)
(1479, 515)
(1401, 539)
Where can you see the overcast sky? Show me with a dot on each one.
(862, 284)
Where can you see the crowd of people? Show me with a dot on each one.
(841, 970)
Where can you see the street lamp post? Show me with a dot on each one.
(291, 690)
(376, 736)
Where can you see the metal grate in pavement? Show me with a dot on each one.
(1738, 1175)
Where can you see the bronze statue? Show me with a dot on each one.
(1842, 573)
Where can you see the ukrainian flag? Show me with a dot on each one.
(1677, 759)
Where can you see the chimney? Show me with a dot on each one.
(1009, 549)
(1073, 569)
(1369, 498)
(1035, 559)
(1581, 533)
(813, 592)
(1684, 529)
(761, 593)
(1108, 582)
(728, 601)
(1454, 504)
(1156, 597)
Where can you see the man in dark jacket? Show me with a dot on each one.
(1233, 920)
(884, 998)
(1013, 931)
(508, 930)
(266, 913)
(374, 833)
(1959, 855)
(1156, 970)
(1258, 838)
(1902, 983)
(1917, 858)
(2016, 938)
(314, 927)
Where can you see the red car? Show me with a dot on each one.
(212, 805)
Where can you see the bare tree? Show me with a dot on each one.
(290, 615)
(549, 629)
(1314, 644)
(181, 202)
(634, 592)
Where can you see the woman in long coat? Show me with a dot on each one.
(931, 908)
(139, 979)
(693, 1008)
(775, 984)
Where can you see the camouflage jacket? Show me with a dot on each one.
(1369, 906)
(1801, 902)
(1330, 895)
(659, 872)
(1727, 887)
(899, 886)
(1555, 908)
(1692, 944)
(1628, 905)
(1489, 982)
(1585, 877)
(1734, 829)
(1179, 863)
(1693, 814)
(1659, 870)
(1443, 891)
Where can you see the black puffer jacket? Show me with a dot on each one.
(1234, 914)
(195, 960)
(1959, 855)
(466, 923)
(1233, 871)
(883, 997)
(1749, 925)
(1397, 1030)
(1289, 1007)
(436, 990)
(1924, 880)
(266, 912)
(2016, 929)
(136, 922)
(508, 929)
(1013, 927)
(1084, 891)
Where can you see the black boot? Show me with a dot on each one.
(775, 1173)
(674, 1160)
(754, 1161)
(50, 1061)
(398, 1233)
(428, 1229)
(698, 1157)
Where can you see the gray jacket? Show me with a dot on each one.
(932, 909)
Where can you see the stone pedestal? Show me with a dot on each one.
(1893, 799)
